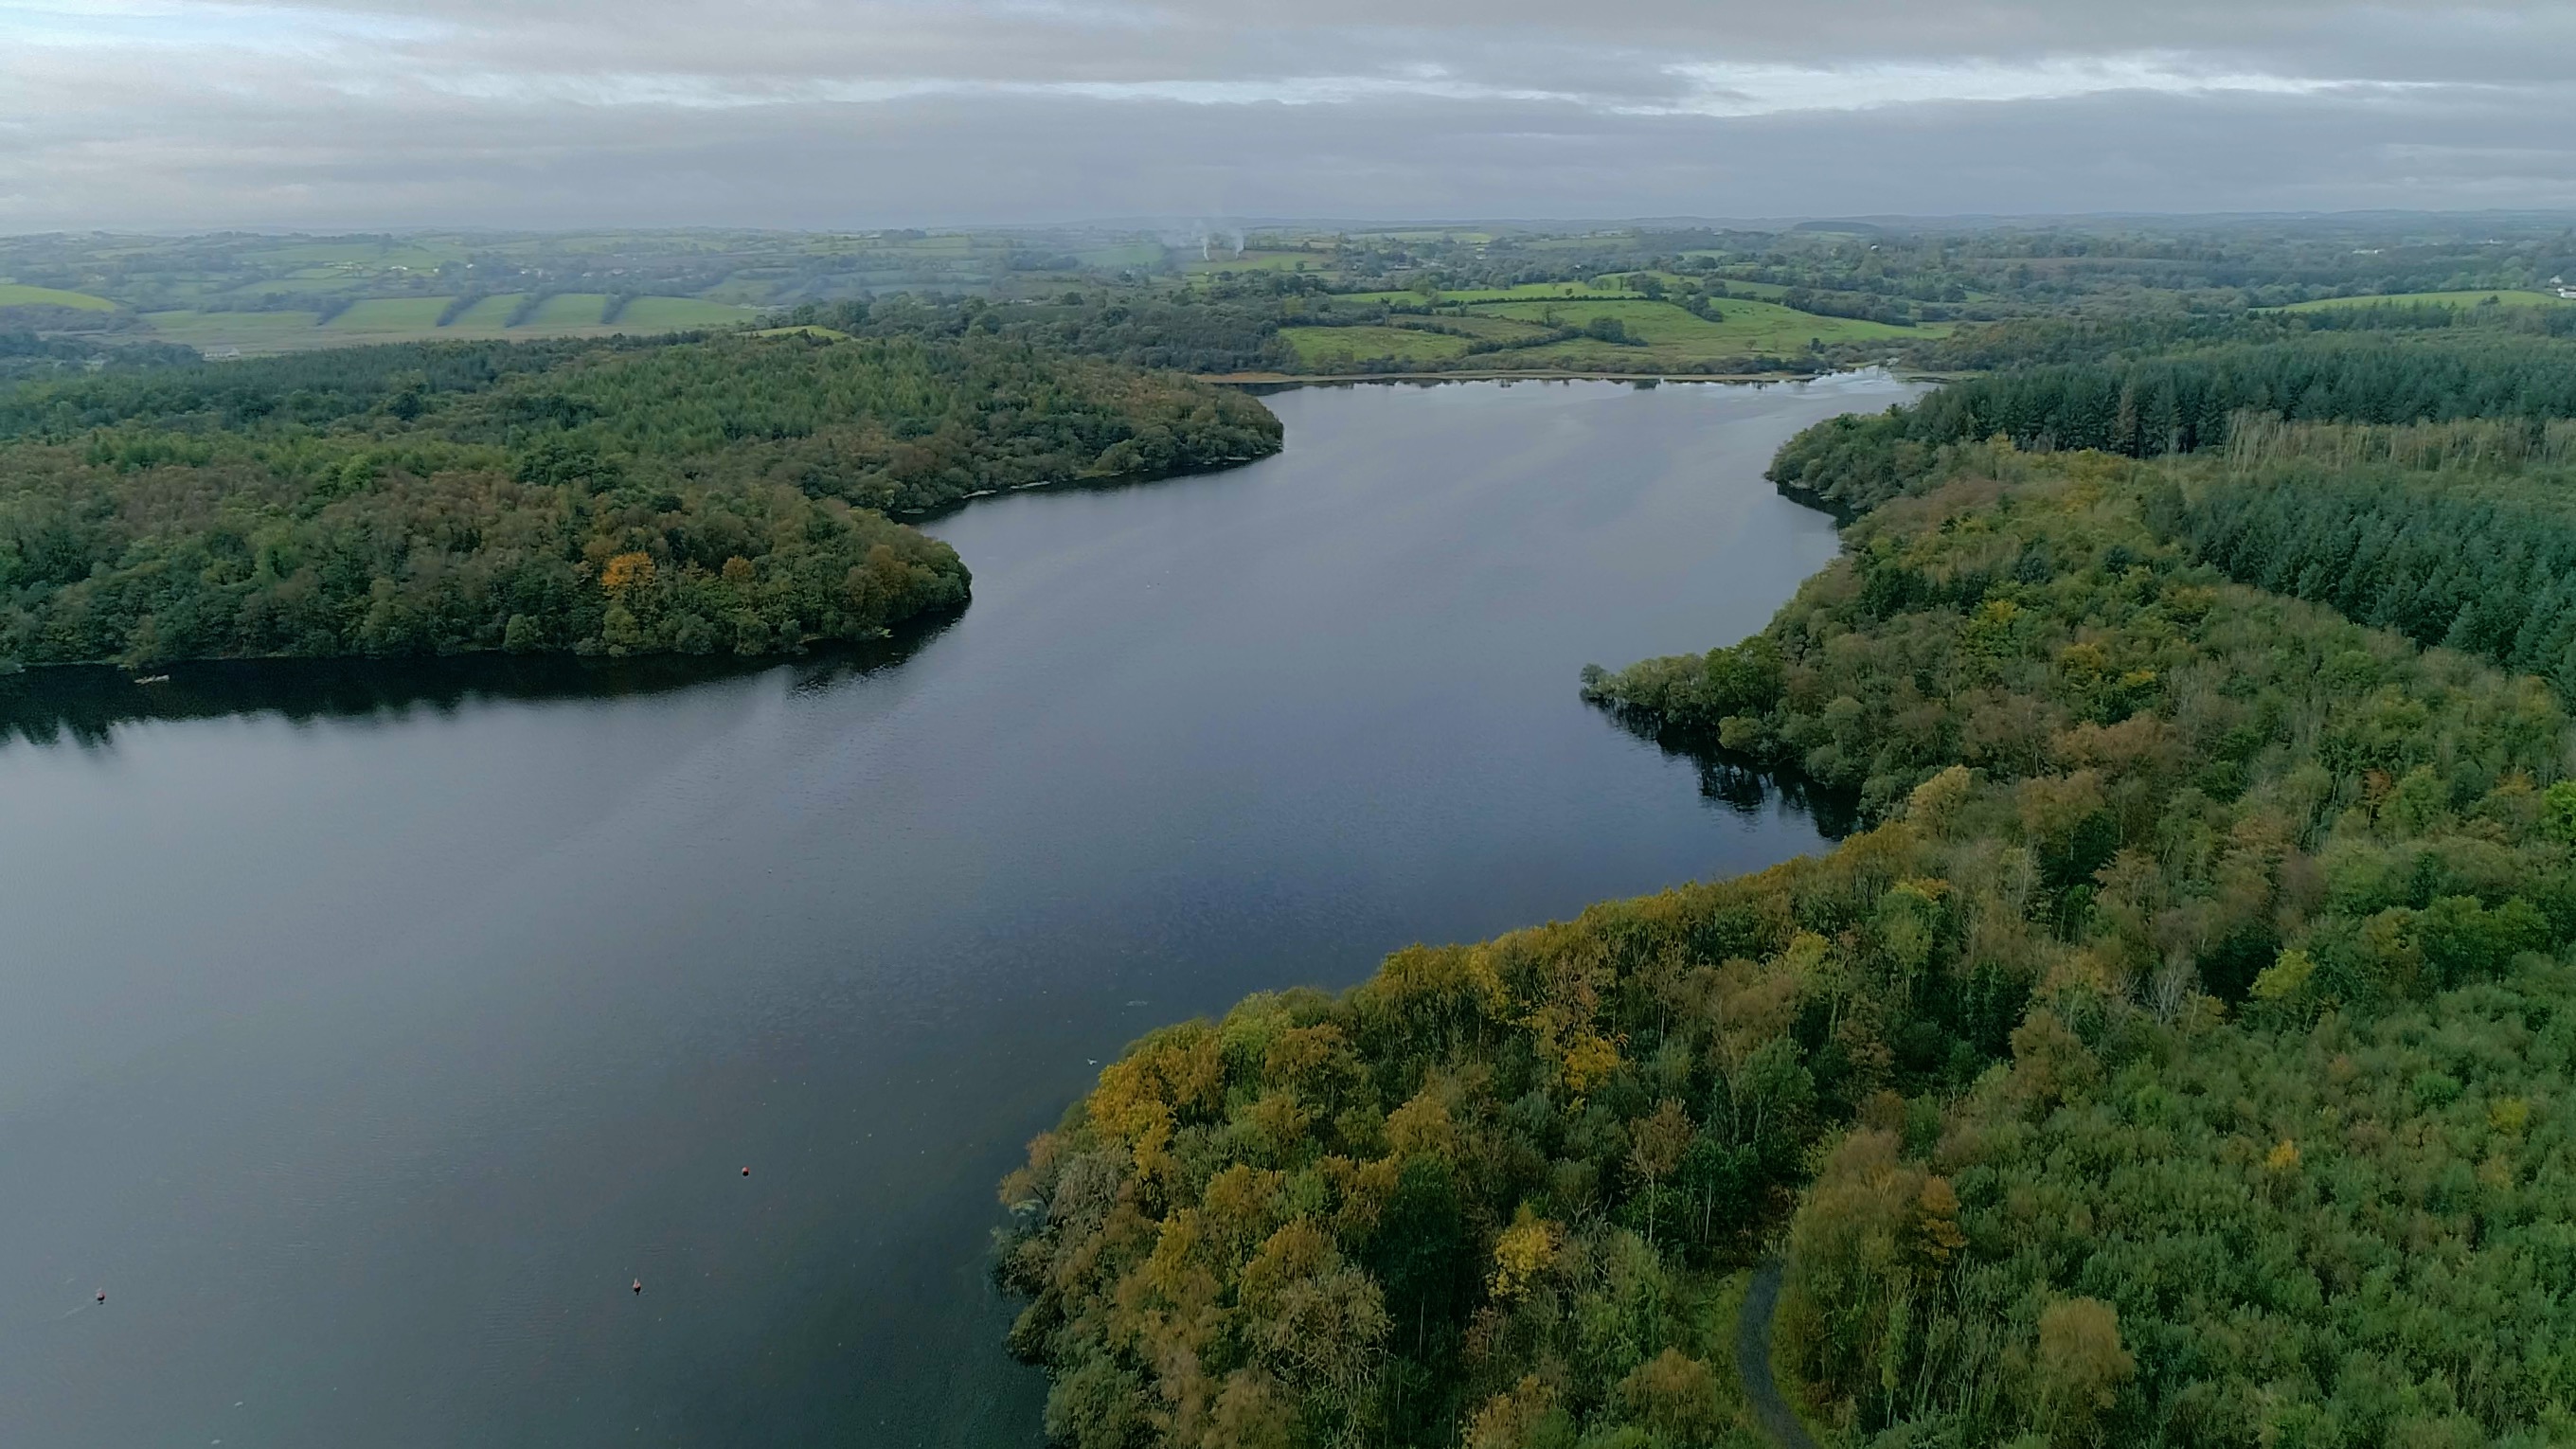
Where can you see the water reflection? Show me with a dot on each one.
(1745, 784)
(85, 704)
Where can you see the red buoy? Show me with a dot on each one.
(102, 1295)
(746, 1172)
(639, 1285)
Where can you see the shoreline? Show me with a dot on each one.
(1309, 379)
(1321, 379)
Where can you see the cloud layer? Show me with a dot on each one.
(552, 113)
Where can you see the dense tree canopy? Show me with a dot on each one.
(2177, 1056)
(721, 494)
(2160, 403)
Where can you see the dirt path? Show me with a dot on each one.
(1753, 1362)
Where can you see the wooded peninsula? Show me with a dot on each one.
(727, 493)
(2181, 1053)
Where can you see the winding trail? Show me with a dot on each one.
(1753, 1361)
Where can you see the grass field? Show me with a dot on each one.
(1490, 328)
(486, 315)
(1668, 337)
(361, 255)
(1133, 254)
(1745, 327)
(395, 315)
(2439, 299)
(251, 292)
(389, 319)
(13, 295)
(1288, 261)
(571, 309)
(250, 331)
(660, 314)
(1342, 346)
(1525, 292)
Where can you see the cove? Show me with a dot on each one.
(365, 1029)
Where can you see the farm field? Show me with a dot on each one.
(1476, 296)
(1262, 261)
(1745, 326)
(249, 331)
(658, 314)
(2439, 299)
(1488, 328)
(1342, 346)
(387, 319)
(14, 295)
(570, 309)
(488, 314)
(1667, 336)
(368, 255)
(390, 314)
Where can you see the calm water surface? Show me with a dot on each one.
(364, 1032)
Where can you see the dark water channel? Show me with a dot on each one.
(364, 1031)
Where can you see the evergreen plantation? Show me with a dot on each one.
(2182, 1053)
(2153, 402)
(726, 493)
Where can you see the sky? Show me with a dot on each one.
(191, 114)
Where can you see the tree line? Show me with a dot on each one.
(2154, 403)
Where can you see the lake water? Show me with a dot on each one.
(364, 1030)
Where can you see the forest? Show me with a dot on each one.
(727, 493)
(2179, 1053)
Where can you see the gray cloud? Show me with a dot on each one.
(797, 113)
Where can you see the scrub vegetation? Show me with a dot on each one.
(2179, 1053)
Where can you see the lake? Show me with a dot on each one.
(366, 1028)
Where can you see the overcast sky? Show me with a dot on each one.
(849, 113)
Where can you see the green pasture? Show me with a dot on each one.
(383, 319)
(570, 309)
(664, 314)
(1485, 327)
(14, 295)
(1133, 254)
(1291, 261)
(1343, 346)
(2430, 299)
(390, 315)
(1744, 326)
(1667, 336)
(487, 314)
(250, 331)
(369, 256)
(297, 286)
(745, 286)
(1475, 296)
